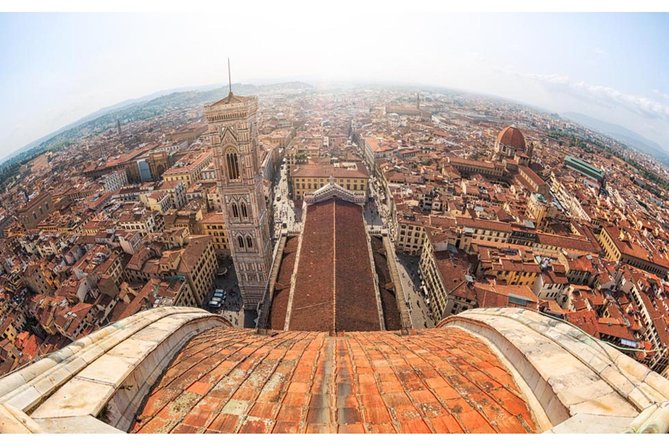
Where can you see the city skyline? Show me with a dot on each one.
(535, 58)
(334, 218)
(531, 245)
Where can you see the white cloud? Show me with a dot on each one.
(605, 96)
(664, 96)
(599, 52)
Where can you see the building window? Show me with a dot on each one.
(249, 242)
(235, 210)
(240, 241)
(232, 161)
(243, 209)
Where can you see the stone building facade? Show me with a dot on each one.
(233, 134)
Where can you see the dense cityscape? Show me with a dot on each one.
(351, 209)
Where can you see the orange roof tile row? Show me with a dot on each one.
(313, 305)
(439, 380)
(334, 284)
(356, 308)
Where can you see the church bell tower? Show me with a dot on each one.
(232, 132)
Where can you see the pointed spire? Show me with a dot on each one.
(229, 79)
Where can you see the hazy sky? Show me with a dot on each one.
(56, 68)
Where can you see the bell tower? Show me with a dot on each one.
(233, 134)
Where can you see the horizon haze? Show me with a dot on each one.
(68, 66)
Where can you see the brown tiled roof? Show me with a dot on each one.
(452, 268)
(580, 263)
(571, 243)
(633, 249)
(456, 160)
(313, 306)
(586, 320)
(511, 136)
(439, 380)
(191, 255)
(484, 224)
(334, 286)
(532, 175)
(498, 295)
(327, 170)
(231, 99)
(213, 218)
(355, 302)
(192, 162)
(618, 330)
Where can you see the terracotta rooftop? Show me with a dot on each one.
(213, 218)
(327, 170)
(231, 99)
(191, 163)
(453, 268)
(439, 380)
(511, 136)
(628, 245)
(532, 175)
(334, 285)
(500, 295)
(456, 160)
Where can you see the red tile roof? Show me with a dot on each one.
(511, 136)
(334, 285)
(313, 305)
(629, 245)
(439, 380)
(327, 170)
(355, 299)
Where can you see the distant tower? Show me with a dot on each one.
(417, 101)
(233, 134)
(118, 127)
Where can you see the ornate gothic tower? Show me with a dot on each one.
(233, 134)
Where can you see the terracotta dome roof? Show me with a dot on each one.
(511, 136)
(181, 369)
(443, 380)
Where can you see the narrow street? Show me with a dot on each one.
(372, 213)
(284, 207)
(418, 309)
(377, 215)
